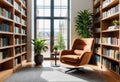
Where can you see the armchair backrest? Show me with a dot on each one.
(83, 44)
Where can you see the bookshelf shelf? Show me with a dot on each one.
(5, 60)
(113, 30)
(5, 47)
(6, 3)
(5, 19)
(107, 53)
(111, 17)
(111, 4)
(110, 58)
(110, 45)
(13, 35)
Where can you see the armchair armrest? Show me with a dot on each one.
(65, 52)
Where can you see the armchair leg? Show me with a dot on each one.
(75, 69)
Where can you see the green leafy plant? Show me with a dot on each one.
(83, 23)
(60, 42)
(39, 46)
(115, 22)
(55, 47)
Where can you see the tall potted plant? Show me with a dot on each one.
(39, 46)
(83, 23)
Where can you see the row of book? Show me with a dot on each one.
(23, 31)
(19, 31)
(4, 41)
(23, 11)
(111, 40)
(17, 19)
(111, 11)
(106, 2)
(10, 1)
(24, 2)
(111, 65)
(18, 7)
(23, 22)
(4, 54)
(5, 27)
(97, 40)
(17, 50)
(112, 53)
(4, 12)
(23, 48)
(17, 61)
(23, 40)
(17, 41)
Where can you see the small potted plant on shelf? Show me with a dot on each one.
(39, 47)
(116, 23)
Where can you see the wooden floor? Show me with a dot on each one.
(47, 63)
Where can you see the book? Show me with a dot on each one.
(1, 56)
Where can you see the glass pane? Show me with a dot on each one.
(60, 12)
(57, 2)
(60, 2)
(64, 2)
(40, 2)
(43, 32)
(43, 2)
(60, 33)
(43, 8)
(43, 12)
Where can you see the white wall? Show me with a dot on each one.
(30, 30)
(77, 5)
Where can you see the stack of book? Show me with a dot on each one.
(111, 65)
(106, 2)
(17, 6)
(110, 40)
(23, 31)
(4, 12)
(10, 1)
(17, 50)
(17, 30)
(4, 41)
(5, 27)
(17, 19)
(111, 11)
(1, 55)
(17, 40)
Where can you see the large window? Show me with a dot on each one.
(52, 22)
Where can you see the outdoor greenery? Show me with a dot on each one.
(83, 23)
(39, 46)
(60, 42)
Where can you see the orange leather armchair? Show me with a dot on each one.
(80, 53)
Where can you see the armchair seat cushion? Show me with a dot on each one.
(70, 58)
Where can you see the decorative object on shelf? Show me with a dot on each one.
(39, 46)
(83, 23)
(116, 23)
